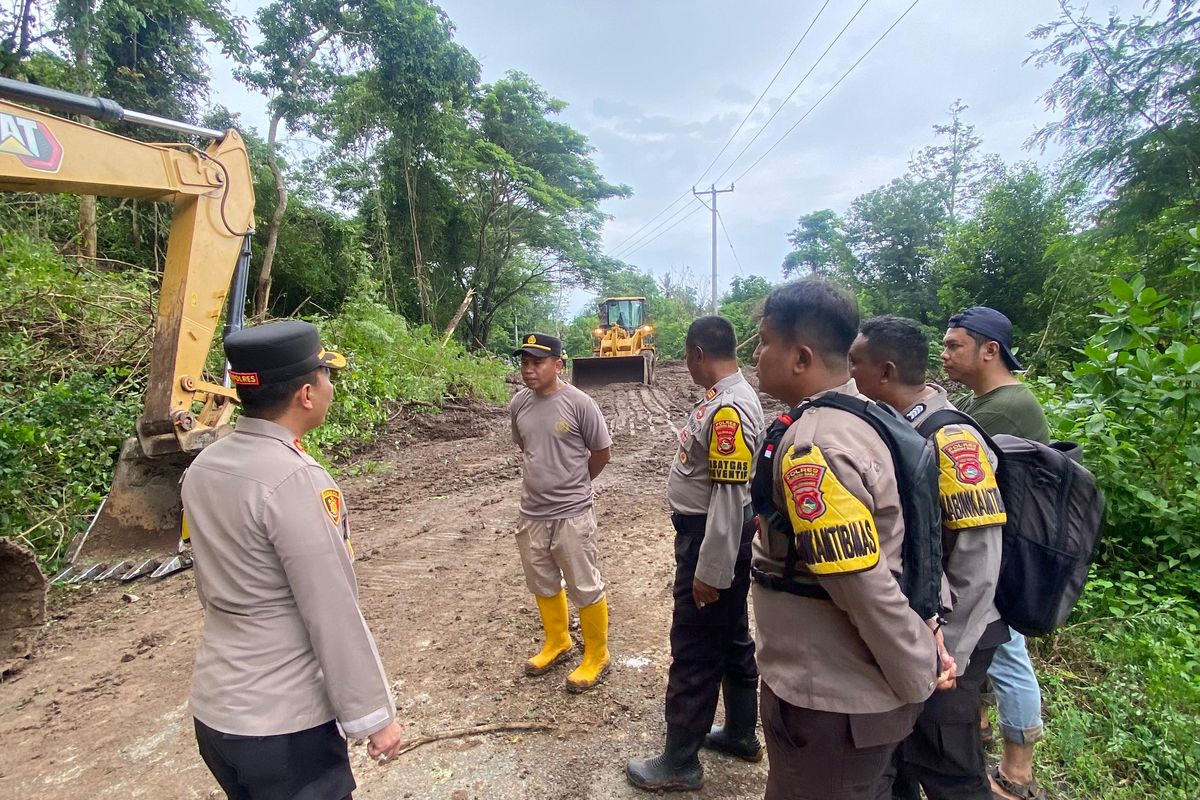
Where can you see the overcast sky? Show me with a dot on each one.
(659, 86)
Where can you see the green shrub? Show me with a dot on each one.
(391, 364)
(1121, 692)
(1132, 402)
(74, 350)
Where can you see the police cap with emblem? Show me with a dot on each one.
(277, 352)
(540, 345)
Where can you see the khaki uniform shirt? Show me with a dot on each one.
(711, 472)
(973, 541)
(557, 435)
(285, 646)
(867, 651)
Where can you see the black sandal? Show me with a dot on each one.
(1022, 791)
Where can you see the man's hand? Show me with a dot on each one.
(703, 594)
(383, 744)
(948, 678)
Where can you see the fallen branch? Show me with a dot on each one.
(458, 733)
(748, 341)
(458, 315)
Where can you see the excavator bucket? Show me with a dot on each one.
(22, 603)
(142, 514)
(601, 371)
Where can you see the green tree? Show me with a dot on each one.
(1002, 256)
(819, 247)
(954, 166)
(530, 197)
(296, 65)
(1127, 96)
(895, 232)
(742, 303)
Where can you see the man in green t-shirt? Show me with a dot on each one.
(977, 353)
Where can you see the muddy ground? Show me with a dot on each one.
(100, 710)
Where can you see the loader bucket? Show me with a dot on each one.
(22, 603)
(143, 513)
(613, 369)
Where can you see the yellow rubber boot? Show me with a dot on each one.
(558, 639)
(593, 620)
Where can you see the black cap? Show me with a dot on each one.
(540, 345)
(990, 323)
(277, 352)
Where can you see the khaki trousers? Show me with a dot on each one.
(558, 550)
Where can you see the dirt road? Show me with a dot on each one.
(100, 712)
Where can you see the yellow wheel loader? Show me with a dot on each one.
(207, 260)
(622, 347)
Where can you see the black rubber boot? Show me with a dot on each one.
(737, 736)
(676, 768)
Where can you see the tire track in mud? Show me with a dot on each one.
(433, 509)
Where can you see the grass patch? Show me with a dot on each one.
(1121, 692)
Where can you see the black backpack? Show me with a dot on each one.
(1055, 518)
(915, 465)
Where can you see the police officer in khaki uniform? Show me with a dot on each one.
(709, 493)
(944, 754)
(844, 675)
(287, 664)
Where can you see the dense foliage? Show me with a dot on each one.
(74, 345)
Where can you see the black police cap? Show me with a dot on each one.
(992, 324)
(277, 352)
(540, 345)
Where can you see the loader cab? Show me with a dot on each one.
(627, 313)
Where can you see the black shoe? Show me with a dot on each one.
(676, 768)
(737, 736)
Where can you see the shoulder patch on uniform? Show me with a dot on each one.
(915, 412)
(728, 453)
(835, 532)
(711, 393)
(332, 500)
(967, 484)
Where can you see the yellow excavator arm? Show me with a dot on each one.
(212, 193)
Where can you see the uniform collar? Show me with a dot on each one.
(265, 427)
(724, 383)
(934, 398)
(849, 387)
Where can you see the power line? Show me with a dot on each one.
(695, 208)
(649, 235)
(749, 113)
(613, 251)
(795, 89)
(828, 92)
(725, 230)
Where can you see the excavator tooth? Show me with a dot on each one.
(89, 574)
(145, 568)
(175, 564)
(115, 571)
(62, 576)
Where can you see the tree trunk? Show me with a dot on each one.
(419, 272)
(385, 246)
(262, 290)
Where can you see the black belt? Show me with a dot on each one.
(777, 583)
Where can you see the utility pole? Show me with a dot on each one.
(713, 191)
